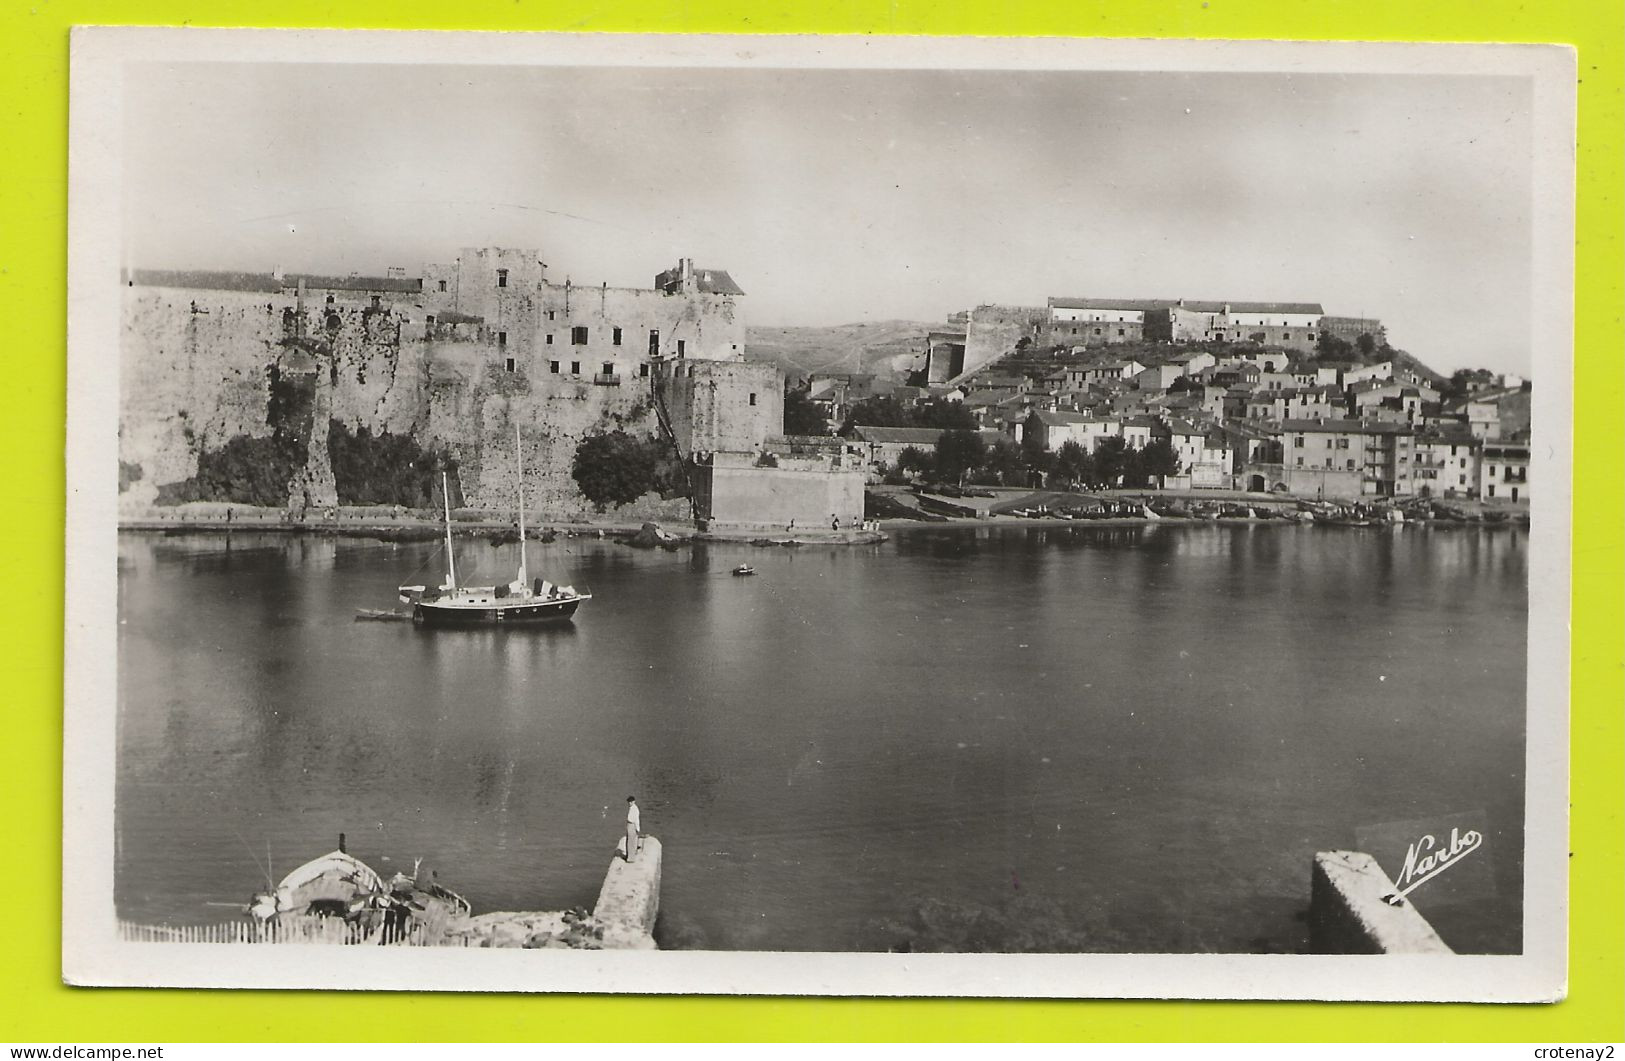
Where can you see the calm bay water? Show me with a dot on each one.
(1138, 737)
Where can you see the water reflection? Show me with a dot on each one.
(1151, 728)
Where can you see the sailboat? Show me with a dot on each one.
(522, 602)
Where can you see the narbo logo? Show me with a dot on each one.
(1428, 857)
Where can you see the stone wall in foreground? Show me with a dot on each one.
(1350, 911)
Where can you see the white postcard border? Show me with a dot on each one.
(92, 953)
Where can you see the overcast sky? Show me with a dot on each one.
(841, 196)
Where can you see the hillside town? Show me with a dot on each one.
(1265, 398)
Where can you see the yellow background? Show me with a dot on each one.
(35, 1007)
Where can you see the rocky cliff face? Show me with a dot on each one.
(255, 398)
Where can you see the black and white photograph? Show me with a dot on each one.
(849, 516)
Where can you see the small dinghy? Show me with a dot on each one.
(743, 570)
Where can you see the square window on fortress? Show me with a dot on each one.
(442, 285)
(643, 370)
(615, 336)
(753, 397)
(549, 339)
(508, 363)
(575, 368)
(578, 335)
(553, 366)
(550, 314)
(502, 338)
(502, 278)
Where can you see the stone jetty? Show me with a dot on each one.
(622, 919)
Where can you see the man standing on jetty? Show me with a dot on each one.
(634, 825)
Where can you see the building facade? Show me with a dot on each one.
(1504, 472)
(1348, 459)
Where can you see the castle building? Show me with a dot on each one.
(1105, 321)
(1097, 321)
(456, 357)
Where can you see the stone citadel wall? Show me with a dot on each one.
(200, 368)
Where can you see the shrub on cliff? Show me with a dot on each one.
(250, 470)
(384, 469)
(617, 469)
(244, 471)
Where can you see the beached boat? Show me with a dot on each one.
(522, 602)
(339, 888)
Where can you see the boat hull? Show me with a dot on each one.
(518, 613)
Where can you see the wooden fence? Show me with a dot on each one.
(320, 930)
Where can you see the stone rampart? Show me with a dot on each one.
(200, 368)
(734, 492)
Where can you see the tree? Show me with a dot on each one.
(1159, 458)
(1073, 462)
(1111, 461)
(1366, 344)
(801, 416)
(914, 459)
(616, 469)
(1032, 444)
(877, 412)
(1331, 348)
(1463, 381)
(950, 416)
(1003, 461)
(958, 452)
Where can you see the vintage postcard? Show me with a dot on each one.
(799, 515)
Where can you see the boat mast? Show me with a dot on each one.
(519, 459)
(451, 565)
